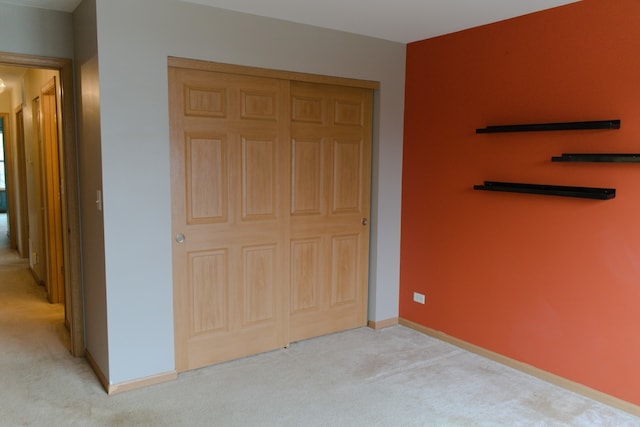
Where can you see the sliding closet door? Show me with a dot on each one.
(330, 197)
(229, 168)
(270, 207)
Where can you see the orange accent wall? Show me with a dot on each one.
(549, 281)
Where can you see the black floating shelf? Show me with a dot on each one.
(598, 157)
(536, 127)
(551, 190)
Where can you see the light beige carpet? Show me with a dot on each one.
(390, 377)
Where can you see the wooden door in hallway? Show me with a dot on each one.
(228, 158)
(270, 230)
(52, 196)
(21, 166)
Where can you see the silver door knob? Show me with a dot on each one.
(364, 221)
(180, 238)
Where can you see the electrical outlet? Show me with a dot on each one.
(419, 298)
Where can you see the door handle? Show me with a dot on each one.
(180, 238)
(364, 221)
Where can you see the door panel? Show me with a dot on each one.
(227, 139)
(209, 291)
(347, 178)
(206, 179)
(306, 275)
(306, 183)
(331, 155)
(258, 178)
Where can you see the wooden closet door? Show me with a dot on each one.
(330, 199)
(230, 174)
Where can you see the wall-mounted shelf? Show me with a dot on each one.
(536, 127)
(551, 190)
(598, 157)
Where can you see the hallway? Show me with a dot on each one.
(27, 320)
(33, 341)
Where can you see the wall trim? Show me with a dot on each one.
(142, 382)
(127, 385)
(96, 369)
(575, 387)
(267, 72)
(382, 323)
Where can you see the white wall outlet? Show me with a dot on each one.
(419, 298)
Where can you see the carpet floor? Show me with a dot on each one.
(363, 377)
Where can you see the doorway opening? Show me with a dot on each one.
(40, 162)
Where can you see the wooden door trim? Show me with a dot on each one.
(195, 64)
(70, 203)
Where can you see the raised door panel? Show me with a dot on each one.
(259, 178)
(206, 179)
(205, 101)
(344, 269)
(306, 182)
(209, 291)
(259, 270)
(306, 273)
(347, 176)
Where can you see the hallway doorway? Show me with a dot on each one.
(39, 144)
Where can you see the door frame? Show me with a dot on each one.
(74, 308)
(245, 70)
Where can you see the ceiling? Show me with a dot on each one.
(401, 21)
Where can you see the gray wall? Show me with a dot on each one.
(32, 31)
(90, 172)
(134, 40)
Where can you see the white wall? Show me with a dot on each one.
(134, 41)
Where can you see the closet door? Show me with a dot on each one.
(330, 198)
(230, 174)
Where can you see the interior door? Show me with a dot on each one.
(21, 163)
(52, 194)
(229, 149)
(330, 199)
